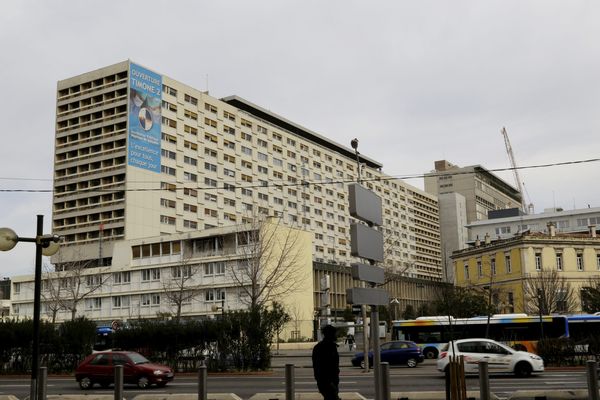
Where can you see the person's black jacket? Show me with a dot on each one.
(326, 362)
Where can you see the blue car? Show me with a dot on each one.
(399, 352)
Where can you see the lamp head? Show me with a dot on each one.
(8, 239)
(49, 243)
(51, 249)
(354, 143)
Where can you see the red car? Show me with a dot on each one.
(100, 368)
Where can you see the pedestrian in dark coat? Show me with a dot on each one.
(326, 364)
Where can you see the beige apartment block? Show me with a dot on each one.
(505, 265)
(465, 194)
(220, 162)
(146, 167)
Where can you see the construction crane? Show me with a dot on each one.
(513, 165)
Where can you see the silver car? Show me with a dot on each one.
(500, 358)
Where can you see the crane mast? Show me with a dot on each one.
(513, 165)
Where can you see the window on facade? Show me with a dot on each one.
(181, 272)
(210, 108)
(210, 167)
(168, 186)
(466, 271)
(169, 122)
(210, 122)
(190, 99)
(559, 262)
(169, 138)
(246, 178)
(210, 182)
(190, 115)
(190, 145)
(167, 170)
(165, 219)
(579, 262)
(190, 207)
(189, 177)
(228, 144)
(121, 277)
(169, 90)
(190, 129)
(507, 264)
(190, 224)
(210, 152)
(214, 268)
(538, 261)
(167, 203)
(168, 154)
(246, 136)
(190, 192)
(190, 160)
(93, 303)
(120, 302)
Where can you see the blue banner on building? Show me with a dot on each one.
(145, 88)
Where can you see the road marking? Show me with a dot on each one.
(314, 383)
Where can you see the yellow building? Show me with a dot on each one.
(504, 265)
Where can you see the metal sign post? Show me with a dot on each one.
(367, 243)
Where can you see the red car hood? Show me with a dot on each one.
(154, 367)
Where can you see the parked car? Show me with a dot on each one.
(100, 368)
(400, 352)
(500, 358)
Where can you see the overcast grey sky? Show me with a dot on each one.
(415, 81)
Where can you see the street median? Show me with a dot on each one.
(306, 396)
(471, 395)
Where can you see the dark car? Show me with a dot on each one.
(400, 352)
(100, 368)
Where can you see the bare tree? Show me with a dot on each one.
(53, 293)
(76, 281)
(183, 285)
(297, 317)
(548, 292)
(590, 295)
(270, 266)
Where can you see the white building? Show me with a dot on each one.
(564, 221)
(199, 270)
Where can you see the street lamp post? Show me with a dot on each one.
(44, 245)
